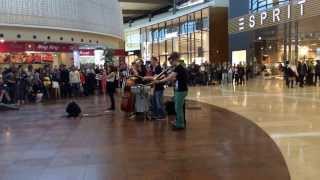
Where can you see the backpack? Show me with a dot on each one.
(73, 109)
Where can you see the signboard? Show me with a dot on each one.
(86, 52)
(132, 40)
(299, 9)
(239, 57)
(39, 47)
(26, 58)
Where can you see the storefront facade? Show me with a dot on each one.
(53, 32)
(272, 32)
(195, 33)
(36, 53)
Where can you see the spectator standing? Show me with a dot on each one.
(55, 83)
(241, 73)
(74, 77)
(317, 72)
(21, 90)
(111, 87)
(64, 82)
(103, 81)
(230, 74)
(224, 74)
(10, 81)
(302, 71)
(3, 90)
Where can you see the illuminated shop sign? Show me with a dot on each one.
(36, 46)
(296, 10)
(263, 16)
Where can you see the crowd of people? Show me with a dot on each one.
(304, 73)
(20, 84)
(207, 73)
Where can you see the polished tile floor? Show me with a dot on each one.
(38, 143)
(290, 116)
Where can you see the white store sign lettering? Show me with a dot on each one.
(263, 16)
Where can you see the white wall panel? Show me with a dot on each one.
(98, 16)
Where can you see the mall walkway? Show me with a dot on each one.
(37, 143)
(290, 116)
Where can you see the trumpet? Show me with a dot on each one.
(166, 71)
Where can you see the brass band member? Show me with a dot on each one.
(179, 75)
(158, 111)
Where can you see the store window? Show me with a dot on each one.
(293, 42)
(175, 35)
(162, 42)
(262, 5)
(188, 34)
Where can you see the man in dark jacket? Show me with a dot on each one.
(64, 82)
(317, 72)
(286, 71)
(302, 70)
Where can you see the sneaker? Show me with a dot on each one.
(175, 128)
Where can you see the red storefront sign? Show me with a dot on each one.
(86, 52)
(119, 52)
(35, 46)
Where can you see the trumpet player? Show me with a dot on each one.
(179, 77)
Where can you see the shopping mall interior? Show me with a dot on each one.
(159, 90)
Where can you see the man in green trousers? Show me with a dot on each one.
(180, 76)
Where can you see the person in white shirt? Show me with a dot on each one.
(74, 77)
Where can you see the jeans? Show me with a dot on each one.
(317, 76)
(111, 95)
(158, 107)
(75, 89)
(301, 80)
(224, 78)
(179, 98)
(230, 78)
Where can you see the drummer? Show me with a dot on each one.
(158, 112)
(179, 75)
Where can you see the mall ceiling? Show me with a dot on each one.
(135, 9)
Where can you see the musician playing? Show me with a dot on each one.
(158, 112)
(138, 70)
(179, 75)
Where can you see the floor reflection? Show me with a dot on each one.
(38, 143)
(289, 116)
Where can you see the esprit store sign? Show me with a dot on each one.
(296, 10)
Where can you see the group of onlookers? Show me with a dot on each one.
(206, 73)
(304, 73)
(22, 84)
